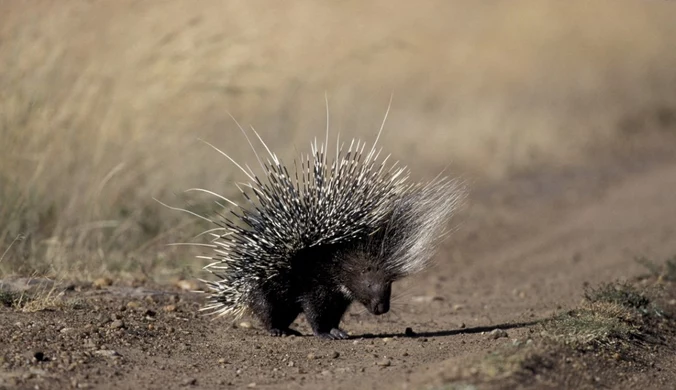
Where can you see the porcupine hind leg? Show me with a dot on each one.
(324, 309)
(276, 310)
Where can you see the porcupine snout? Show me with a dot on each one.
(380, 302)
(379, 308)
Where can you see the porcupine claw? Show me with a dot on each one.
(334, 334)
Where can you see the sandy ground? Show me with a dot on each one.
(523, 251)
(101, 104)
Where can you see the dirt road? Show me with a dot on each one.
(522, 252)
(564, 112)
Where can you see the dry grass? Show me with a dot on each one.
(41, 295)
(666, 272)
(101, 102)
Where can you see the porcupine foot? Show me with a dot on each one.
(324, 311)
(334, 334)
(276, 312)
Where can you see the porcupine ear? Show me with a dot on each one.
(420, 222)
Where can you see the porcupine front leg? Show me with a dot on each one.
(324, 309)
(276, 311)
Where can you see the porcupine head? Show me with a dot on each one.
(364, 277)
(402, 246)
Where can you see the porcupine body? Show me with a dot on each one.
(331, 232)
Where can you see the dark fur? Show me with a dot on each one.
(313, 286)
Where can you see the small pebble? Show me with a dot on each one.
(189, 382)
(107, 353)
(186, 285)
(245, 325)
(39, 356)
(335, 355)
(37, 371)
(384, 363)
(102, 282)
(117, 324)
(169, 308)
(497, 333)
(133, 305)
(311, 356)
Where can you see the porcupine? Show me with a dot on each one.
(332, 233)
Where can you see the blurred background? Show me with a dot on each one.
(102, 104)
